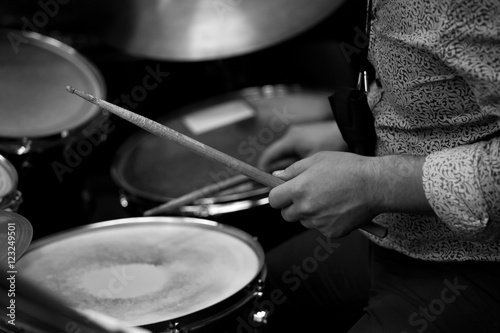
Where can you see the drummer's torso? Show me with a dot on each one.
(426, 102)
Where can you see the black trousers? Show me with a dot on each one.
(352, 285)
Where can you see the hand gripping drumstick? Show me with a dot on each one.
(208, 152)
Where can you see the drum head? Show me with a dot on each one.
(34, 71)
(145, 270)
(240, 124)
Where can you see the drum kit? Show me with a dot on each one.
(199, 268)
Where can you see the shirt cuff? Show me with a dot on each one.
(454, 191)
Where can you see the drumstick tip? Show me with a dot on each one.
(70, 89)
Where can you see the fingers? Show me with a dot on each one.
(282, 196)
(290, 214)
(293, 170)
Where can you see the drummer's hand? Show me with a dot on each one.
(302, 140)
(336, 192)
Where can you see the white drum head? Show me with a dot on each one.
(145, 270)
(34, 71)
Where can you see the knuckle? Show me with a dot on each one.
(307, 208)
(285, 213)
(272, 198)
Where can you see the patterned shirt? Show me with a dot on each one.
(438, 62)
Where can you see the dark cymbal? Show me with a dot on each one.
(211, 29)
(16, 234)
(177, 30)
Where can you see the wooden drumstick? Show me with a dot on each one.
(190, 197)
(200, 148)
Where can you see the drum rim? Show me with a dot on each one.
(142, 221)
(236, 300)
(221, 204)
(75, 57)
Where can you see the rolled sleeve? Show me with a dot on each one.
(463, 187)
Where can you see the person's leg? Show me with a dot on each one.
(409, 295)
(316, 283)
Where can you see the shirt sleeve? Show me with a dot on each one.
(462, 184)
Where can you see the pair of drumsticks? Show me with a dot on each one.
(208, 152)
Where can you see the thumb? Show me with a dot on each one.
(292, 171)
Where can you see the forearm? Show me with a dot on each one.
(397, 184)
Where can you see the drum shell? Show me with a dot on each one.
(230, 312)
(54, 194)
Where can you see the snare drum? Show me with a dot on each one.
(47, 133)
(150, 171)
(159, 273)
(10, 197)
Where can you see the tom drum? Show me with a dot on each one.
(150, 171)
(47, 133)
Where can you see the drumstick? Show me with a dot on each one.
(190, 197)
(201, 149)
(197, 194)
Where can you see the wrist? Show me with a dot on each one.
(398, 186)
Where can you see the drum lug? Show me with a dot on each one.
(260, 285)
(25, 147)
(260, 317)
(173, 328)
(16, 202)
(257, 289)
(123, 201)
(64, 134)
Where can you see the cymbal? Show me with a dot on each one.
(211, 29)
(16, 234)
